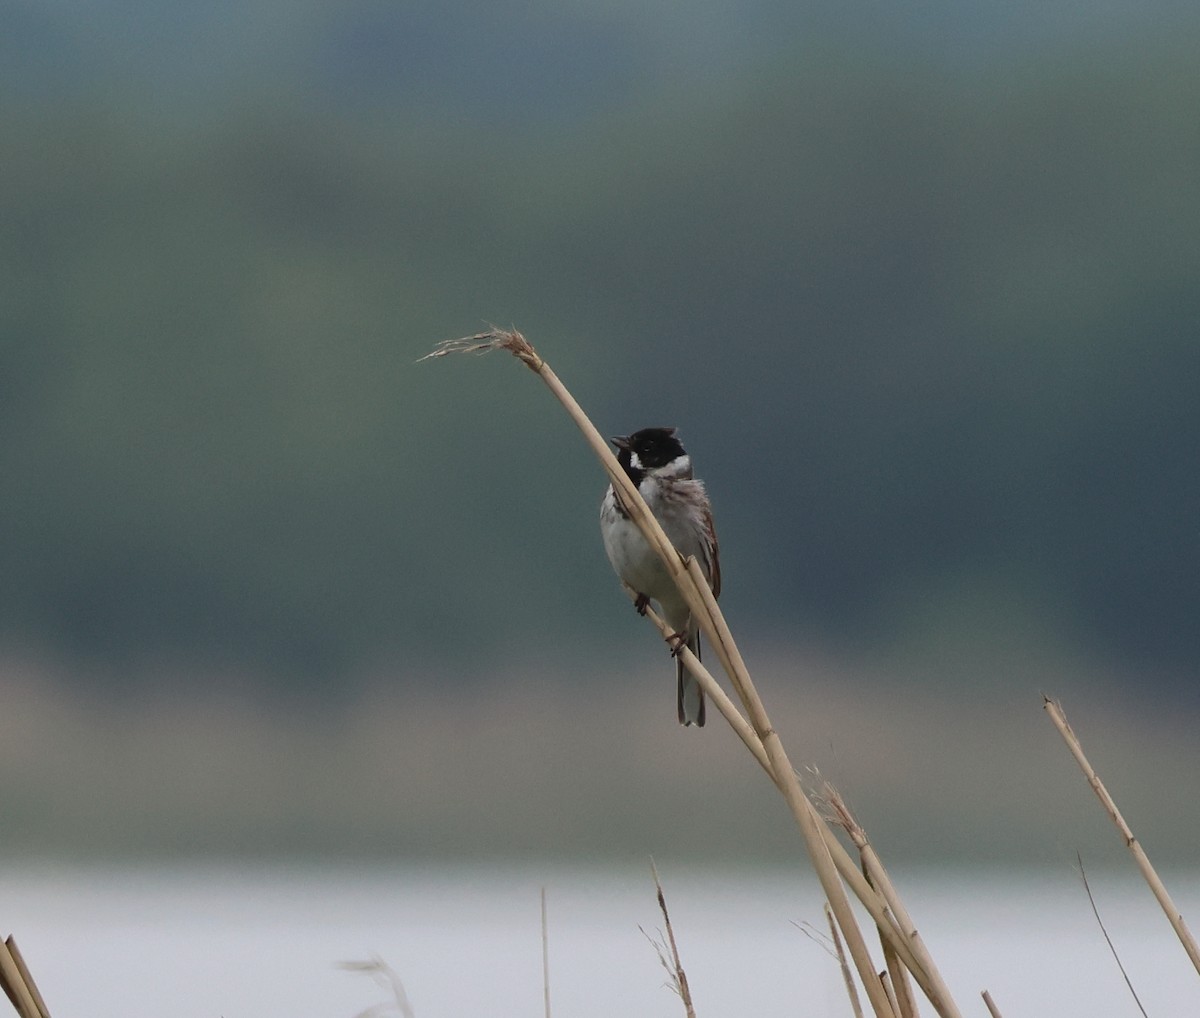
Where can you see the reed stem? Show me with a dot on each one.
(1149, 874)
(687, 576)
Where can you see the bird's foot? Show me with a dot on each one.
(641, 603)
(677, 641)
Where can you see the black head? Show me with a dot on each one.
(647, 450)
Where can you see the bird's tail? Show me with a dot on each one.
(690, 698)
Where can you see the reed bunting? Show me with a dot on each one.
(656, 462)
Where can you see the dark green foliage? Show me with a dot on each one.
(924, 328)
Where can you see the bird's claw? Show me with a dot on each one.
(641, 603)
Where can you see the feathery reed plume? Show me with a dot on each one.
(1107, 939)
(485, 342)
(1149, 874)
(662, 951)
(830, 861)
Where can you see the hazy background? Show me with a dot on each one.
(920, 286)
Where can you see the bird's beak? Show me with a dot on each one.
(621, 441)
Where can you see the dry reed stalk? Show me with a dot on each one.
(817, 836)
(881, 881)
(704, 609)
(1149, 874)
(900, 990)
(812, 828)
(678, 976)
(902, 995)
(22, 968)
(17, 985)
(708, 616)
(885, 980)
(545, 956)
(847, 975)
(876, 905)
(990, 1004)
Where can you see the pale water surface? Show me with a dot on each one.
(213, 942)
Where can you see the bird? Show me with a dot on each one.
(655, 461)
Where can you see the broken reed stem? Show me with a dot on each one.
(1149, 874)
(681, 981)
(880, 880)
(901, 990)
(847, 975)
(703, 606)
(885, 980)
(993, 1010)
(896, 973)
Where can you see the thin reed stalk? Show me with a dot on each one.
(847, 975)
(906, 1005)
(826, 861)
(545, 956)
(990, 1004)
(681, 979)
(1149, 874)
(1112, 948)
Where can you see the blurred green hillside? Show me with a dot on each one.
(924, 301)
